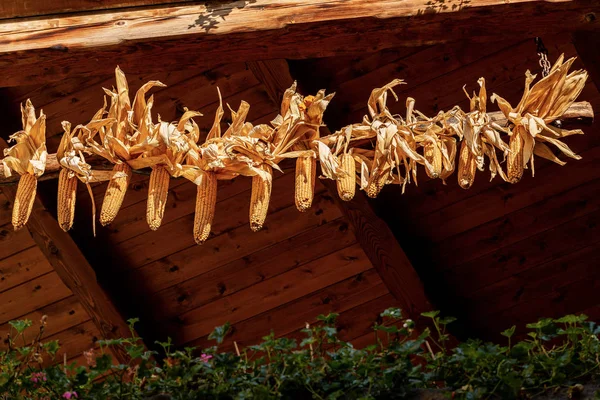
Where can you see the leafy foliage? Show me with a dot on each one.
(558, 353)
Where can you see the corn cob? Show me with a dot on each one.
(206, 199)
(115, 193)
(67, 192)
(306, 170)
(259, 202)
(158, 189)
(514, 162)
(433, 155)
(467, 166)
(375, 186)
(24, 200)
(346, 186)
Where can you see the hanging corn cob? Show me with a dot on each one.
(346, 185)
(261, 196)
(306, 172)
(206, 200)
(67, 191)
(158, 189)
(467, 165)
(115, 193)
(27, 158)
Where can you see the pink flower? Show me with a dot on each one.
(205, 357)
(70, 395)
(38, 377)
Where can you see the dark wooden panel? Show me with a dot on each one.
(252, 269)
(292, 317)
(12, 242)
(22, 267)
(240, 242)
(61, 315)
(74, 341)
(543, 247)
(273, 292)
(31, 295)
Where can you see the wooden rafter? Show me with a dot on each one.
(372, 233)
(196, 35)
(74, 270)
(588, 49)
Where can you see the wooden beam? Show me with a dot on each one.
(200, 35)
(74, 270)
(372, 233)
(588, 49)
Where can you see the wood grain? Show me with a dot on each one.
(191, 36)
(22, 267)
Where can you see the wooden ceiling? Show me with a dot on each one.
(494, 255)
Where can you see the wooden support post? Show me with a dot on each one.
(74, 270)
(372, 233)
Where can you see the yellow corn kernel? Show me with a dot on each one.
(346, 185)
(467, 166)
(24, 200)
(158, 190)
(306, 170)
(514, 161)
(433, 155)
(206, 199)
(115, 193)
(67, 193)
(259, 201)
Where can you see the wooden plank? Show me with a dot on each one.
(190, 36)
(271, 293)
(61, 315)
(525, 254)
(29, 8)
(5, 209)
(22, 267)
(510, 228)
(74, 341)
(588, 50)
(292, 317)
(537, 282)
(12, 242)
(240, 242)
(229, 215)
(252, 269)
(31, 295)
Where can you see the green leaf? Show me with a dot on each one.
(20, 325)
(509, 332)
(220, 332)
(394, 313)
(52, 347)
(430, 314)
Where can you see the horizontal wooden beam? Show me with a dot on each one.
(194, 36)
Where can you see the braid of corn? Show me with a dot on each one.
(467, 166)
(433, 155)
(306, 170)
(346, 185)
(158, 190)
(206, 199)
(115, 193)
(259, 202)
(67, 192)
(24, 200)
(514, 162)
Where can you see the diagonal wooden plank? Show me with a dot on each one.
(372, 233)
(74, 270)
(194, 35)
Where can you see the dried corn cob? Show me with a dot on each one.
(306, 169)
(67, 192)
(206, 199)
(376, 185)
(115, 193)
(24, 200)
(467, 166)
(158, 189)
(259, 202)
(514, 162)
(433, 155)
(346, 185)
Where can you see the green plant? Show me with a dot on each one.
(557, 354)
